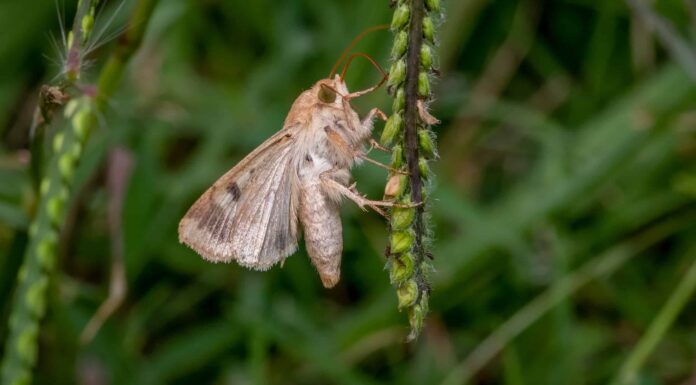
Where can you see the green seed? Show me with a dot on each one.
(400, 43)
(399, 100)
(401, 268)
(397, 73)
(391, 129)
(397, 158)
(423, 167)
(401, 241)
(58, 142)
(425, 141)
(433, 5)
(401, 15)
(66, 165)
(428, 29)
(423, 85)
(407, 294)
(402, 218)
(426, 56)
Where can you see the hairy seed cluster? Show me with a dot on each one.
(408, 130)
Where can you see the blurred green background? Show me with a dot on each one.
(564, 204)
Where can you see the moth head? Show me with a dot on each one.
(326, 94)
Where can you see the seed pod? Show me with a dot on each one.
(401, 15)
(401, 217)
(425, 141)
(397, 159)
(397, 73)
(433, 5)
(423, 85)
(428, 29)
(426, 56)
(391, 129)
(399, 100)
(401, 268)
(400, 241)
(400, 43)
(395, 186)
(407, 294)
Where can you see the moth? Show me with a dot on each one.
(293, 182)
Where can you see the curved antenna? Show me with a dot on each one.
(353, 43)
(366, 56)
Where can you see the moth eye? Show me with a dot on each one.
(326, 94)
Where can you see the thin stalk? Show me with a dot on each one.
(56, 183)
(628, 373)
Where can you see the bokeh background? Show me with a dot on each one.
(564, 204)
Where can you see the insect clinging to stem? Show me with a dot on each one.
(300, 174)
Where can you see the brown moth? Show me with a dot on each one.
(297, 177)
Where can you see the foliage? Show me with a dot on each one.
(564, 210)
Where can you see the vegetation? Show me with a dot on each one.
(563, 207)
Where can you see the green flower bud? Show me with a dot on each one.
(87, 24)
(401, 15)
(400, 241)
(401, 268)
(36, 296)
(399, 100)
(401, 217)
(423, 85)
(428, 29)
(423, 167)
(55, 206)
(397, 73)
(416, 316)
(26, 344)
(45, 252)
(66, 165)
(425, 141)
(426, 56)
(407, 294)
(397, 158)
(391, 129)
(58, 141)
(400, 43)
(81, 122)
(433, 5)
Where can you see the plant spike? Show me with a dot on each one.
(409, 129)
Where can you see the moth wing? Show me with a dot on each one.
(250, 213)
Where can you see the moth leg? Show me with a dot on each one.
(352, 194)
(364, 157)
(375, 144)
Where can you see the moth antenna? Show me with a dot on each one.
(353, 43)
(366, 56)
(374, 63)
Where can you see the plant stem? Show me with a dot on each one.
(29, 303)
(628, 374)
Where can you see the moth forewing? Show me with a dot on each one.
(249, 214)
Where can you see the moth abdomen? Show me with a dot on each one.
(321, 221)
